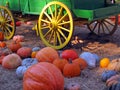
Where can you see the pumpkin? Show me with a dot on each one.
(90, 58)
(18, 38)
(69, 53)
(35, 49)
(107, 74)
(1, 36)
(33, 54)
(14, 46)
(104, 62)
(24, 52)
(60, 63)
(114, 65)
(47, 54)
(29, 61)
(113, 83)
(81, 62)
(1, 59)
(71, 69)
(11, 61)
(2, 44)
(43, 76)
(20, 71)
(72, 86)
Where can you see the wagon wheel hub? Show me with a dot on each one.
(54, 24)
(2, 21)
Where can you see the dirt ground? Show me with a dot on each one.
(90, 79)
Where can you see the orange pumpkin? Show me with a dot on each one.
(60, 63)
(71, 69)
(1, 36)
(81, 62)
(2, 44)
(24, 52)
(14, 46)
(43, 76)
(47, 54)
(11, 61)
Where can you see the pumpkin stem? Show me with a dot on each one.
(70, 60)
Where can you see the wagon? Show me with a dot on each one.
(56, 20)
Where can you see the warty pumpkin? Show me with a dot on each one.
(114, 65)
(43, 76)
(47, 54)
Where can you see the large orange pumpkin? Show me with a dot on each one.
(43, 76)
(47, 54)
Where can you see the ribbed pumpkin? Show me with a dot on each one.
(81, 62)
(43, 76)
(11, 61)
(114, 65)
(60, 63)
(69, 53)
(71, 69)
(24, 52)
(1, 36)
(14, 46)
(47, 54)
(113, 83)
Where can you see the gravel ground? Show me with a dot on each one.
(90, 79)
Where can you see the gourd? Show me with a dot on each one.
(113, 83)
(107, 74)
(11, 61)
(14, 46)
(114, 65)
(1, 36)
(71, 69)
(20, 71)
(29, 61)
(69, 53)
(72, 86)
(43, 76)
(24, 52)
(60, 63)
(104, 62)
(18, 38)
(47, 54)
(81, 62)
(33, 54)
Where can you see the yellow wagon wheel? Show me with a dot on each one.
(7, 23)
(104, 27)
(55, 25)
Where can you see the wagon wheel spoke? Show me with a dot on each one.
(58, 27)
(105, 27)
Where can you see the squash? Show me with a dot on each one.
(81, 62)
(104, 62)
(72, 86)
(24, 52)
(69, 53)
(1, 36)
(71, 69)
(29, 61)
(14, 46)
(60, 63)
(18, 38)
(107, 74)
(114, 65)
(11, 61)
(47, 54)
(20, 71)
(113, 83)
(43, 76)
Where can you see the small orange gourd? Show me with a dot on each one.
(104, 62)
